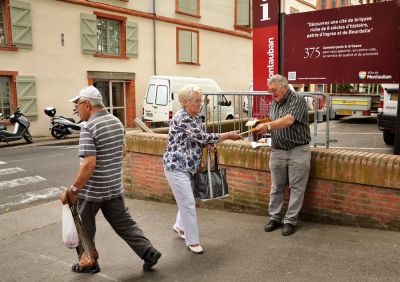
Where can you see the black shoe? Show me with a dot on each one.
(272, 225)
(90, 270)
(288, 229)
(150, 259)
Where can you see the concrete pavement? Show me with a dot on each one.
(236, 249)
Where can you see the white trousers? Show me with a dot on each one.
(181, 184)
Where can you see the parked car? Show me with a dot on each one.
(387, 112)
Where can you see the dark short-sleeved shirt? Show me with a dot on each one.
(299, 132)
(103, 136)
(185, 140)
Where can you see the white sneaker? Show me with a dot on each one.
(197, 250)
(180, 232)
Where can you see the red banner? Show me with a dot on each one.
(265, 50)
(357, 44)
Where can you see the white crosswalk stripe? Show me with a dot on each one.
(12, 170)
(21, 190)
(31, 196)
(21, 181)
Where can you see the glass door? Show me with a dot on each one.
(117, 107)
(113, 93)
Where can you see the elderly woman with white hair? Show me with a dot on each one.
(182, 159)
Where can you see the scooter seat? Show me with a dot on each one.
(3, 127)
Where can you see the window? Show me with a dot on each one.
(151, 94)
(333, 3)
(187, 46)
(3, 26)
(323, 4)
(15, 25)
(342, 3)
(5, 96)
(18, 90)
(188, 7)
(107, 35)
(159, 96)
(113, 93)
(242, 14)
(162, 95)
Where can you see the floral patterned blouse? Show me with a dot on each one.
(185, 140)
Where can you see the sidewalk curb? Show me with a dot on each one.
(43, 141)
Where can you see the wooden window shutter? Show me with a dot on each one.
(183, 6)
(132, 35)
(21, 24)
(192, 7)
(26, 96)
(88, 33)
(185, 46)
(243, 12)
(194, 47)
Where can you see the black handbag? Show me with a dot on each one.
(211, 184)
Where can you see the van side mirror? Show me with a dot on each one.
(229, 103)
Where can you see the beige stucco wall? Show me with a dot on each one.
(299, 5)
(61, 71)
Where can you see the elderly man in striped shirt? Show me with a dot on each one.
(98, 184)
(290, 156)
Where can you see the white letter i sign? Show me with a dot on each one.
(265, 14)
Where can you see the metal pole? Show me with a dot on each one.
(154, 39)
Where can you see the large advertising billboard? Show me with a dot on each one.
(265, 50)
(357, 44)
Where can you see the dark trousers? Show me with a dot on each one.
(116, 213)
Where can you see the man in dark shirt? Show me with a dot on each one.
(290, 156)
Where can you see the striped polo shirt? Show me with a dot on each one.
(299, 132)
(103, 137)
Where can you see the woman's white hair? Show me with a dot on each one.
(186, 93)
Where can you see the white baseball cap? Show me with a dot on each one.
(90, 92)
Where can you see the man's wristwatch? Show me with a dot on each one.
(74, 189)
(269, 126)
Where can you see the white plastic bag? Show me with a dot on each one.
(69, 234)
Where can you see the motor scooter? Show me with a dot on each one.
(21, 128)
(61, 127)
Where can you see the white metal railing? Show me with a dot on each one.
(244, 106)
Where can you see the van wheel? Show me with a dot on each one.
(229, 117)
(388, 137)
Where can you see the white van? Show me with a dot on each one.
(387, 112)
(161, 100)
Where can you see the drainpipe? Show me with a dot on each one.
(154, 39)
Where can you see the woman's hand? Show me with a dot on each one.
(234, 135)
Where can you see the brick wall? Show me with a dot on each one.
(347, 188)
